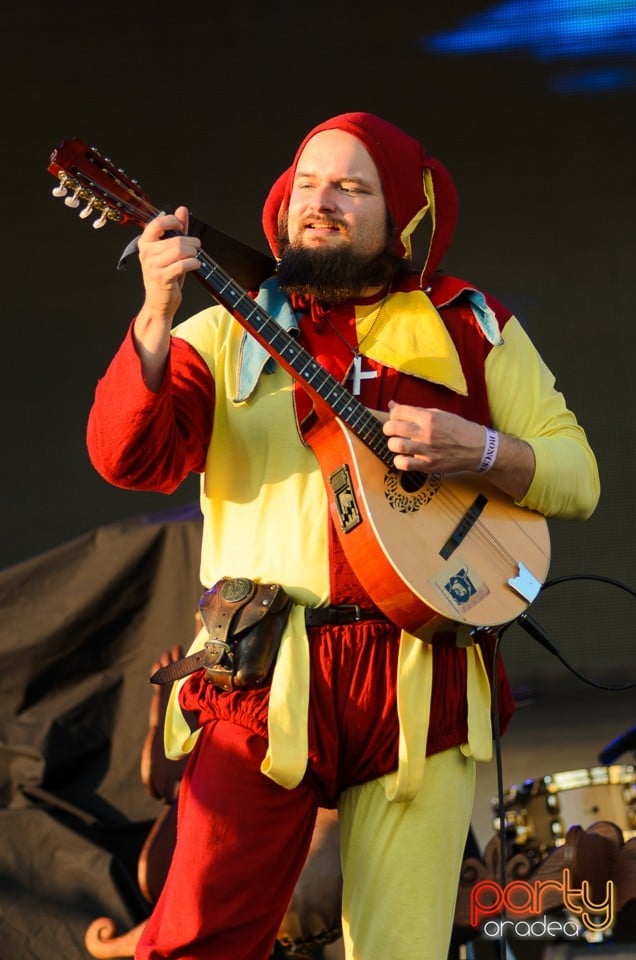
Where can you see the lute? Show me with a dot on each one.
(424, 546)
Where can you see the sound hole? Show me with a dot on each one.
(407, 491)
(412, 481)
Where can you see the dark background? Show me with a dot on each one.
(205, 105)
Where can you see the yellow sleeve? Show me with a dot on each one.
(525, 403)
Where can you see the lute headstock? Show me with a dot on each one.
(84, 175)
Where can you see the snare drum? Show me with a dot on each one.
(540, 812)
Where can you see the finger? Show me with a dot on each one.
(175, 250)
(401, 445)
(164, 223)
(406, 462)
(404, 411)
(183, 216)
(399, 428)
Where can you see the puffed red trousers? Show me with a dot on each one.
(242, 840)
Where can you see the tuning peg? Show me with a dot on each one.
(100, 222)
(73, 201)
(88, 209)
(60, 190)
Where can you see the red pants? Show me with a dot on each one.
(241, 839)
(234, 825)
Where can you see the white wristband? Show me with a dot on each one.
(489, 455)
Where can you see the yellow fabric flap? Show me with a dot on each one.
(479, 745)
(408, 335)
(286, 758)
(415, 684)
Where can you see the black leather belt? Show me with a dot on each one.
(334, 616)
(339, 615)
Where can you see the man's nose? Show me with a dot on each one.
(324, 197)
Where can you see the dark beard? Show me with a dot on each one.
(333, 276)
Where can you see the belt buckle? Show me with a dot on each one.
(219, 664)
(215, 650)
(355, 610)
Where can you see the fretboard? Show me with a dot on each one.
(293, 357)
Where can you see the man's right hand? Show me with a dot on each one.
(164, 264)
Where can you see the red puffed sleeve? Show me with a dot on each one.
(142, 440)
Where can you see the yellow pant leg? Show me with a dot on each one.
(401, 863)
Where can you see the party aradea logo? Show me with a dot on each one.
(519, 908)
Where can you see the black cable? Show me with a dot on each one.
(589, 576)
(496, 730)
(531, 626)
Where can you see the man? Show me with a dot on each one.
(358, 712)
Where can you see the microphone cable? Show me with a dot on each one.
(532, 627)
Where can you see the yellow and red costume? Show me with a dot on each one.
(363, 716)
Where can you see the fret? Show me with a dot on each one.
(254, 310)
(307, 363)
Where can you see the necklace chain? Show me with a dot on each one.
(379, 308)
(356, 374)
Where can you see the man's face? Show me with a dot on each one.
(337, 199)
(334, 237)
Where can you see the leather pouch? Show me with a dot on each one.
(245, 622)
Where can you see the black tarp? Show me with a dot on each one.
(81, 626)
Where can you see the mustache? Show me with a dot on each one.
(324, 221)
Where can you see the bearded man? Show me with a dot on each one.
(377, 697)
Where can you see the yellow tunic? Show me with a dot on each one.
(264, 508)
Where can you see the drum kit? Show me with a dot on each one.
(539, 812)
(574, 819)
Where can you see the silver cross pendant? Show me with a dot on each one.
(357, 375)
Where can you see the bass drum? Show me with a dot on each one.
(540, 812)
